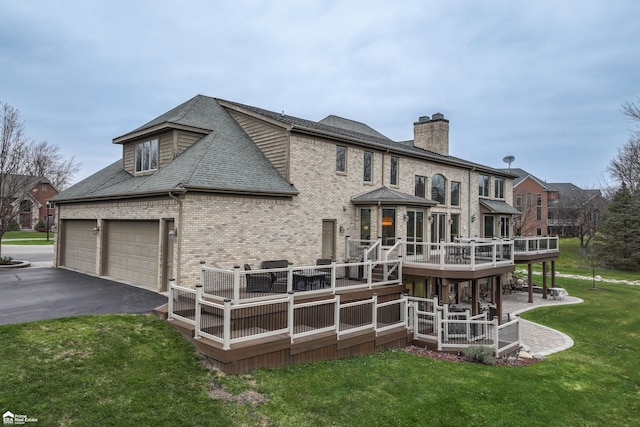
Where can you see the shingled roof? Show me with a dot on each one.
(225, 160)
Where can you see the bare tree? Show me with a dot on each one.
(14, 158)
(46, 161)
(579, 212)
(625, 166)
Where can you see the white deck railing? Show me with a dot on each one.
(265, 284)
(230, 323)
(458, 330)
(470, 255)
(536, 245)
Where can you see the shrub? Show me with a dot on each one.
(14, 225)
(40, 225)
(479, 354)
(5, 260)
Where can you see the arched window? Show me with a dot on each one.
(438, 186)
(25, 206)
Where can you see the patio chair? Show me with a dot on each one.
(326, 280)
(258, 282)
(279, 279)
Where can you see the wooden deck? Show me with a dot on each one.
(281, 350)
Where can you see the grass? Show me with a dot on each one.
(29, 238)
(135, 370)
(572, 262)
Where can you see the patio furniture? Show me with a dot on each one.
(258, 282)
(557, 293)
(279, 283)
(326, 280)
(308, 280)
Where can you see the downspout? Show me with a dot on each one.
(179, 230)
(469, 214)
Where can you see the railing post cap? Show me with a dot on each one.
(227, 300)
(203, 262)
(199, 285)
(236, 266)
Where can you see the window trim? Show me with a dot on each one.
(394, 174)
(424, 186)
(145, 149)
(498, 188)
(483, 185)
(341, 149)
(459, 185)
(444, 188)
(364, 168)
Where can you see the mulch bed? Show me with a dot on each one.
(459, 358)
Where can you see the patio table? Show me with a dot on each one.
(308, 280)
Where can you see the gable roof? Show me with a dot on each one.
(226, 160)
(499, 207)
(387, 196)
(360, 134)
(17, 184)
(521, 175)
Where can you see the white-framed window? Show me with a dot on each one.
(498, 188)
(147, 156)
(438, 189)
(483, 185)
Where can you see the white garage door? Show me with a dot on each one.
(79, 245)
(132, 251)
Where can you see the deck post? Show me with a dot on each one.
(374, 315)
(333, 276)
(172, 282)
(530, 281)
(226, 345)
(196, 333)
(236, 283)
(291, 310)
(544, 280)
(336, 315)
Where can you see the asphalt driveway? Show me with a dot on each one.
(30, 294)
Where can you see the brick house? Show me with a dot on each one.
(230, 184)
(29, 199)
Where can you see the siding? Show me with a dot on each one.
(165, 149)
(185, 140)
(129, 157)
(272, 140)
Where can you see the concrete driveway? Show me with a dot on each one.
(29, 294)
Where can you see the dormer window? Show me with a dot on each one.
(147, 156)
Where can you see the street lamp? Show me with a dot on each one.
(48, 207)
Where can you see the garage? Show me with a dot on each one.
(79, 245)
(131, 252)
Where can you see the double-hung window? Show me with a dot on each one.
(498, 188)
(147, 156)
(483, 185)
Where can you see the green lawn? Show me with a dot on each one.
(29, 238)
(135, 370)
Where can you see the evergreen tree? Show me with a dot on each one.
(618, 240)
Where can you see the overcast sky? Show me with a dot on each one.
(540, 80)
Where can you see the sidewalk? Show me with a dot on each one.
(537, 340)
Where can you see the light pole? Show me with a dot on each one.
(48, 206)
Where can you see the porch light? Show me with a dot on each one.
(173, 234)
(473, 218)
(95, 230)
(430, 219)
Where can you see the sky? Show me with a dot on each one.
(542, 81)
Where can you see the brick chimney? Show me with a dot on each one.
(432, 134)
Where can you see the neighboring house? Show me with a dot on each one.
(531, 199)
(553, 209)
(573, 211)
(28, 199)
(230, 184)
